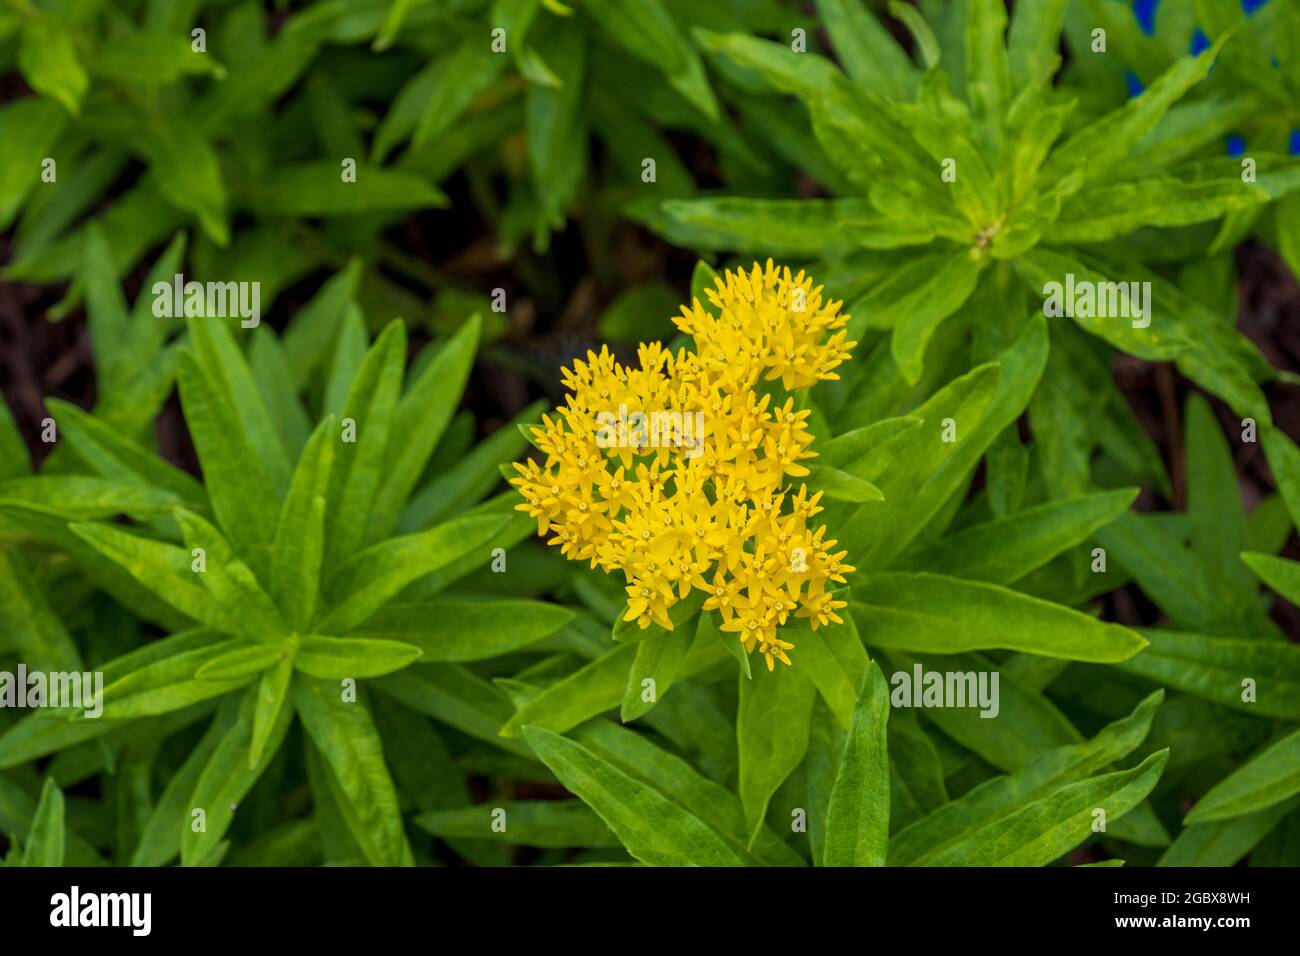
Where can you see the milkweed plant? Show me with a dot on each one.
(525, 432)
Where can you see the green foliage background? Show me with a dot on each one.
(330, 563)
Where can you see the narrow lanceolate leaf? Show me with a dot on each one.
(217, 353)
(1225, 842)
(653, 671)
(164, 569)
(1269, 777)
(651, 828)
(30, 624)
(1108, 140)
(791, 227)
(346, 737)
(299, 546)
(242, 494)
(955, 822)
(681, 784)
(368, 413)
(1004, 550)
(1108, 211)
(1047, 829)
(867, 50)
(46, 837)
(336, 658)
(48, 60)
(272, 697)
(1281, 575)
(115, 456)
(422, 416)
(230, 581)
(369, 580)
(839, 485)
(933, 613)
(29, 126)
(1034, 41)
(171, 682)
(1219, 669)
(544, 823)
(243, 661)
(591, 690)
(317, 189)
(466, 630)
(772, 725)
(648, 31)
(225, 779)
(857, 820)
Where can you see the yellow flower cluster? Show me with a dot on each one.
(674, 473)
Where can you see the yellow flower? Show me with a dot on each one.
(674, 473)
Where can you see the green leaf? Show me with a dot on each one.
(1034, 42)
(956, 823)
(241, 662)
(1004, 550)
(1225, 842)
(338, 658)
(1117, 209)
(299, 546)
(164, 569)
(561, 824)
(650, 827)
(225, 780)
(591, 690)
(114, 456)
(371, 407)
(320, 189)
(867, 50)
(837, 485)
(230, 581)
(1214, 669)
(1096, 147)
(29, 623)
(46, 837)
(465, 630)
(1281, 575)
(934, 613)
(151, 59)
(243, 497)
(272, 694)
(1269, 777)
(160, 838)
(29, 128)
(787, 227)
(374, 576)
(657, 660)
(649, 33)
(772, 726)
(457, 697)
(421, 418)
(48, 60)
(857, 819)
(347, 739)
(637, 756)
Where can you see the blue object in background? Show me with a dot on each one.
(1293, 144)
(1145, 12)
(1250, 6)
(1134, 84)
(1236, 146)
(1200, 41)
